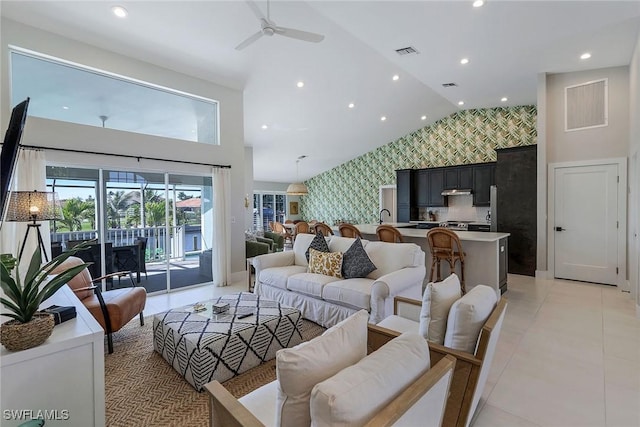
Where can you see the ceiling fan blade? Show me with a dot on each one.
(256, 10)
(299, 34)
(250, 40)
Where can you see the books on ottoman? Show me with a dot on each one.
(61, 314)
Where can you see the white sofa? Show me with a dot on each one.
(327, 300)
(330, 381)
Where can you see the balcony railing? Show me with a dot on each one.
(182, 239)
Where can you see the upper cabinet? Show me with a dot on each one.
(483, 179)
(406, 209)
(458, 177)
(436, 185)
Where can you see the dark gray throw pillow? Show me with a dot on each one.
(356, 262)
(319, 243)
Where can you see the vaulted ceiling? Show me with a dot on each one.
(507, 44)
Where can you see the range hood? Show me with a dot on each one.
(456, 192)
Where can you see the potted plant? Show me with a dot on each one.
(23, 296)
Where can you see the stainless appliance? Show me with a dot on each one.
(493, 210)
(456, 225)
(456, 192)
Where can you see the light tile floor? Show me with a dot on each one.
(568, 354)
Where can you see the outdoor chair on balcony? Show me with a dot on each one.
(142, 253)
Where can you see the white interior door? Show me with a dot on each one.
(586, 222)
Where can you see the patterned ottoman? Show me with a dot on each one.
(205, 346)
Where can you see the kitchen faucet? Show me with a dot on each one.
(381, 214)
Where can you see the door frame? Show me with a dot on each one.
(381, 189)
(621, 162)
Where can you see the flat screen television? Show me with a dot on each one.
(9, 154)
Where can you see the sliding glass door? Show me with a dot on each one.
(157, 225)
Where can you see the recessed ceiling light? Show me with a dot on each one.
(395, 77)
(64, 107)
(119, 11)
(383, 118)
(504, 99)
(351, 105)
(478, 3)
(423, 118)
(464, 61)
(300, 84)
(585, 55)
(460, 102)
(264, 126)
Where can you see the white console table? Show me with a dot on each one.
(66, 373)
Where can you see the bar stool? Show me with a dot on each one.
(445, 246)
(388, 233)
(349, 230)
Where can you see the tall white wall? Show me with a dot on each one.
(634, 174)
(48, 133)
(587, 144)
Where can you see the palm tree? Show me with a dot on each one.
(155, 212)
(73, 212)
(118, 202)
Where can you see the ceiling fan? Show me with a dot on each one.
(269, 28)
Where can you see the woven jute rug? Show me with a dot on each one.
(141, 389)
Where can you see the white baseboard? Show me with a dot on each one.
(542, 274)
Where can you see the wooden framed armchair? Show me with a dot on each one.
(471, 370)
(112, 309)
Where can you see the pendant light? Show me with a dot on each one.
(297, 188)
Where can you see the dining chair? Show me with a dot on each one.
(349, 230)
(302, 227)
(277, 227)
(388, 233)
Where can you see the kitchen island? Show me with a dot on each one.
(485, 260)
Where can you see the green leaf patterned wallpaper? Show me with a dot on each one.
(350, 191)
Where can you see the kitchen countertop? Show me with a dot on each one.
(475, 236)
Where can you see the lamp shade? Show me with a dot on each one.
(25, 206)
(297, 189)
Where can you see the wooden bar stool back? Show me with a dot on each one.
(445, 246)
(323, 228)
(388, 233)
(349, 230)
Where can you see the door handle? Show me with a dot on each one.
(560, 229)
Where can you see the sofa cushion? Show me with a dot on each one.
(356, 262)
(467, 316)
(390, 257)
(309, 283)
(327, 263)
(342, 244)
(425, 311)
(351, 292)
(400, 324)
(261, 402)
(278, 276)
(319, 243)
(300, 246)
(443, 295)
(355, 394)
(299, 368)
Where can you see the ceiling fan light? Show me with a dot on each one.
(297, 189)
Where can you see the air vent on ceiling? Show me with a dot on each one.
(586, 105)
(407, 51)
(449, 85)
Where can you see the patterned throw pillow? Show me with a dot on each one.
(319, 243)
(250, 236)
(327, 263)
(356, 262)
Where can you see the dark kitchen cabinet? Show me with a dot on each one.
(406, 208)
(483, 179)
(436, 185)
(458, 177)
(516, 178)
(421, 180)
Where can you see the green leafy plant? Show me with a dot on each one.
(24, 296)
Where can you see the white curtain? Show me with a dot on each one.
(221, 247)
(30, 174)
